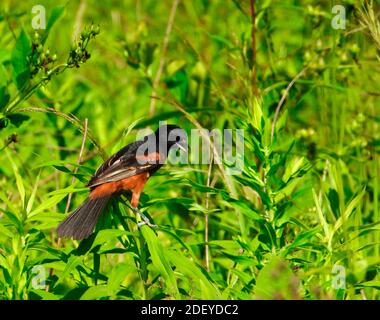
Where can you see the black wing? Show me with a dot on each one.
(121, 165)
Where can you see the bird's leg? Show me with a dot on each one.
(144, 218)
(136, 192)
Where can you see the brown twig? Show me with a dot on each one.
(78, 19)
(362, 293)
(165, 43)
(59, 241)
(72, 119)
(95, 152)
(78, 161)
(282, 100)
(207, 253)
(253, 43)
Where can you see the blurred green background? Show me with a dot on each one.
(300, 222)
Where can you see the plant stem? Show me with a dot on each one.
(78, 161)
(22, 96)
(207, 253)
(253, 43)
(282, 100)
(165, 43)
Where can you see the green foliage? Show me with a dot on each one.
(20, 63)
(306, 201)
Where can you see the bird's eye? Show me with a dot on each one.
(145, 138)
(178, 139)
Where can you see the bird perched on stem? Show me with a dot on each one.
(127, 170)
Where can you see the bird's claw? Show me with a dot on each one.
(145, 219)
(142, 223)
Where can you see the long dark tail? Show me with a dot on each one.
(81, 223)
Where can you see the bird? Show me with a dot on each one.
(127, 170)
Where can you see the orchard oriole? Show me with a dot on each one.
(126, 170)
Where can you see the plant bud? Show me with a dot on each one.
(96, 30)
(354, 48)
(175, 66)
(84, 35)
(199, 71)
(361, 117)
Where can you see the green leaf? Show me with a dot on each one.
(96, 292)
(302, 240)
(189, 268)
(75, 293)
(56, 13)
(321, 216)
(159, 259)
(10, 205)
(47, 204)
(20, 63)
(17, 119)
(99, 239)
(44, 295)
(29, 206)
(277, 281)
(19, 180)
(245, 208)
(175, 66)
(354, 203)
(71, 264)
(333, 197)
(257, 116)
(13, 218)
(370, 284)
(3, 262)
(221, 40)
(281, 122)
(296, 167)
(5, 55)
(5, 231)
(4, 96)
(267, 234)
(66, 191)
(118, 274)
(230, 245)
(56, 163)
(178, 84)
